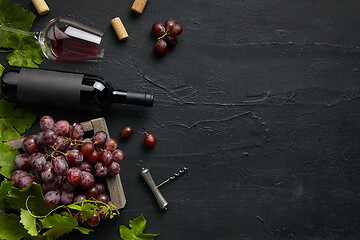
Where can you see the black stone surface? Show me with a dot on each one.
(260, 99)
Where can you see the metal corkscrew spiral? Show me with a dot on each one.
(145, 173)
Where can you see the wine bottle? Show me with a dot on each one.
(65, 89)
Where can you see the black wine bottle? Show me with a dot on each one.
(65, 89)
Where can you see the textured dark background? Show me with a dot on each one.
(260, 99)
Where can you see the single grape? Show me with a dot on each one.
(158, 28)
(61, 143)
(93, 157)
(100, 170)
(110, 144)
(92, 192)
(66, 198)
(22, 161)
(48, 174)
(74, 175)
(79, 197)
(46, 123)
(25, 180)
(160, 47)
(171, 40)
(39, 164)
(87, 180)
(52, 198)
(33, 157)
(62, 127)
(106, 156)
(118, 155)
(39, 138)
(114, 168)
(85, 166)
(176, 30)
(94, 220)
(102, 197)
(49, 137)
(67, 186)
(149, 140)
(60, 166)
(16, 175)
(100, 186)
(87, 148)
(29, 145)
(99, 138)
(74, 157)
(53, 185)
(170, 23)
(78, 131)
(126, 131)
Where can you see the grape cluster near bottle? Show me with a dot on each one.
(69, 167)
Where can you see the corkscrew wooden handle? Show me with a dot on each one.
(145, 173)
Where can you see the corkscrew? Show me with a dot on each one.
(145, 173)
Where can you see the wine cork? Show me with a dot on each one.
(138, 6)
(41, 6)
(119, 28)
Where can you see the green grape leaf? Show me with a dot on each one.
(7, 155)
(28, 221)
(60, 224)
(13, 121)
(15, 16)
(5, 187)
(16, 199)
(84, 230)
(11, 228)
(136, 232)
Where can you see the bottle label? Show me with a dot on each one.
(49, 87)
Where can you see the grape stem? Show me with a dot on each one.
(164, 35)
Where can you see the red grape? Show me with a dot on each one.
(60, 166)
(87, 148)
(99, 138)
(67, 186)
(29, 145)
(22, 161)
(16, 175)
(126, 132)
(85, 166)
(62, 127)
(158, 28)
(171, 40)
(106, 156)
(111, 144)
(49, 137)
(39, 138)
(176, 30)
(114, 168)
(118, 155)
(87, 180)
(149, 140)
(160, 47)
(78, 131)
(100, 186)
(94, 220)
(61, 143)
(79, 198)
(93, 157)
(103, 213)
(103, 198)
(46, 123)
(74, 175)
(170, 23)
(52, 198)
(92, 192)
(74, 157)
(100, 170)
(39, 164)
(48, 174)
(25, 180)
(66, 198)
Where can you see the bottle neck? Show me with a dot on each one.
(144, 99)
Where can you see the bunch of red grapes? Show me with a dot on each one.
(69, 168)
(167, 33)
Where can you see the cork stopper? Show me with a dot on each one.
(41, 6)
(138, 6)
(119, 28)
